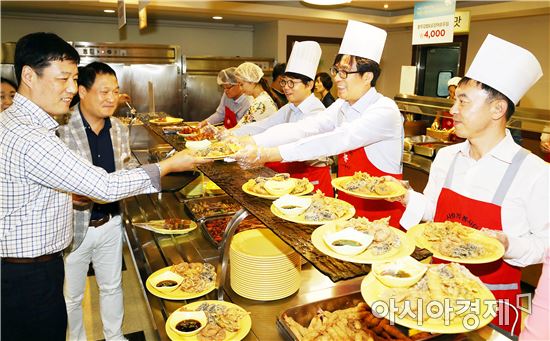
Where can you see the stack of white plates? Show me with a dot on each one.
(262, 266)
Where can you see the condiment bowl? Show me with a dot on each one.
(187, 322)
(403, 272)
(283, 187)
(167, 281)
(292, 205)
(197, 145)
(348, 241)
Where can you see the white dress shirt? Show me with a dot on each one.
(38, 173)
(239, 106)
(373, 122)
(525, 211)
(288, 113)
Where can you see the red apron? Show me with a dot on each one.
(230, 119)
(318, 176)
(500, 277)
(357, 161)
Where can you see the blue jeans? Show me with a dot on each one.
(33, 307)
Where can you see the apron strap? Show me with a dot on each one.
(509, 176)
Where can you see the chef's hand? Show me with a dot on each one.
(498, 235)
(202, 123)
(180, 162)
(403, 199)
(80, 200)
(545, 146)
(252, 156)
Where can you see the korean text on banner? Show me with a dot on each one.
(433, 22)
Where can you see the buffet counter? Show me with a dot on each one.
(321, 278)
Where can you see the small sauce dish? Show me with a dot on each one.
(167, 281)
(348, 241)
(292, 205)
(400, 273)
(187, 323)
(283, 187)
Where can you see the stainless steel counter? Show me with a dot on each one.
(151, 251)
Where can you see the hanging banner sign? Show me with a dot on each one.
(462, 22)
(121, 12)
(433, 22)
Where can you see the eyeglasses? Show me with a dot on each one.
(290, 83)
(228, 87)
(341, 73)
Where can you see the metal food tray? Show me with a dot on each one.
(303, 314)
(210, 201)
(428, 149)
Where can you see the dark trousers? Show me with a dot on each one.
(33, 307)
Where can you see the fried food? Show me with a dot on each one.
(217, 149)
(385, 238)
(221, 320)
(364, 183)
(452, 282)
(197, 277)
(325, 208)
(455, 240)
(355, 323)
(257, 185)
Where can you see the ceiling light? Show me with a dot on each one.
(217, 17)
(327, 2)
(386, 6)
(109, 10)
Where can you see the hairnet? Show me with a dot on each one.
(453, 81)
(249, 72)
(227, 76)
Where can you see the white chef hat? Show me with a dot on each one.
(505, 67)
(453, 81)
(249, 72)
(304, 58)
(227, 76)
(363, 40)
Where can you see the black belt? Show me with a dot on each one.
(39, 259)
(101, 221)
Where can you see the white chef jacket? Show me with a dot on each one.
(373, 122)
(239, 106)
(525, 209)
(288, 113)
(261, 108)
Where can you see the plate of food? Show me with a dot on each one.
(365, 186)
(387, 242)
(182, 281)
(226, 321)
(169, 226)
(447, 299)
(276, 186)
(166, 120)
(188, 130)
(316, 209)
(455, 242)
(215, 150)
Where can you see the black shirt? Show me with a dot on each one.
(101, 148)
(328, 100)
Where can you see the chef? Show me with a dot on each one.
(233, 104)
(297, 85)
(364, 128)
(489, 181)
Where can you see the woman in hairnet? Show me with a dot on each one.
(249, 76)
(233, 104)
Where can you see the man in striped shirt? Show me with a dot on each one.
(38, 173)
